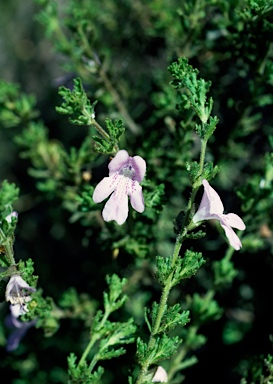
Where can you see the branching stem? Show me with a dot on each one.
(92, 341)
(168, 284)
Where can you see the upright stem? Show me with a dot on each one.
(99, 128)
(102, 132)
(174, 257)
(202, 154)
(92, 341)
(161, 309)
(7, 243)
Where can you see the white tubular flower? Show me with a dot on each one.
(160, 375)
(10, 216)
(18, 291)
(211, 207)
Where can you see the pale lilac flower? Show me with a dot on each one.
(10, 216)
(160, 375)
(17, 290)
(211, 207)
(125, 174)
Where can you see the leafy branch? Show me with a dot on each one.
(77, 105)
(171, 270)
(106, 336)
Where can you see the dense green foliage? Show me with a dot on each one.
(188, 86)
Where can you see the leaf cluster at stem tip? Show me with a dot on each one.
(185, 77)
(77, 105)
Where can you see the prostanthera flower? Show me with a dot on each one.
(12, 215)
(125, 174)
(211, 207)
(160, 375)
(18, 291)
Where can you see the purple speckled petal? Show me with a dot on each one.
(105, 187)
(116, 208)
(136, 198)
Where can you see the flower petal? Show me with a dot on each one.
(18, 310)
(210, 206)
(18, 280)
(139, 166)
(234, 240)
(160, 375)
(16, 290)
(11, 216)
(119, 161)
(116, 208)
(216, 206)
(105, 187)
(15, 337)
(19, 330)
(136, 197)
(235, 221)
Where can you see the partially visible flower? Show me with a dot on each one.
(211, 207)
(19, 328)
(11, 215)
(160, 375)
(125, 174)
(18, 290)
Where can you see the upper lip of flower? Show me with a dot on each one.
(211, 207)
(17, 290)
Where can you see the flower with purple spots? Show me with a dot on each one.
(125, 174)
